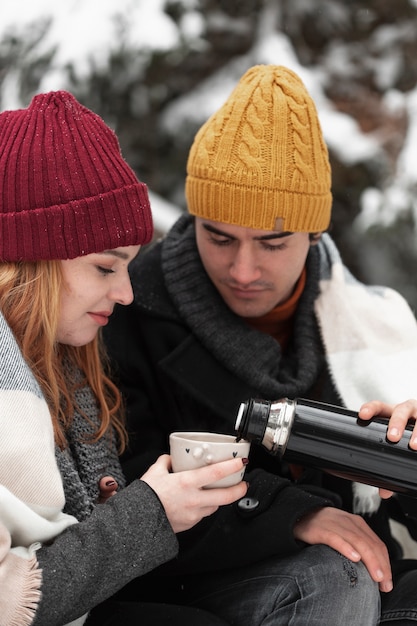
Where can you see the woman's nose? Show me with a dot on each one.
(123, 293)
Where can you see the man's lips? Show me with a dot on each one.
(246, 293)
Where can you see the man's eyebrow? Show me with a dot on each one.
(285, 233)
(272, 235)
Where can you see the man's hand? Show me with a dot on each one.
(351, 536)
(398, 416)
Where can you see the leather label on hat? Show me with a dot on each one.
(279, 224)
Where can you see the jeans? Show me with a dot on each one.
(399, 608)
(317, 586)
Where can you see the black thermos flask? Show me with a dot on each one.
(331, 438)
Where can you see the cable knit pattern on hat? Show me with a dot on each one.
(260, 161)
(65, 189)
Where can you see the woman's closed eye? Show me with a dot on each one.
(105, 270)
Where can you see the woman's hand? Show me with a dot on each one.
(182, 494)
(108, 488)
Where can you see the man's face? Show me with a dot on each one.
(253, 270)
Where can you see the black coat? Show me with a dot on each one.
(177, 378)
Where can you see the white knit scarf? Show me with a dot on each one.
(370, 339)
(31, 491)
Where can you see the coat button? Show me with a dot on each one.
(248, 504)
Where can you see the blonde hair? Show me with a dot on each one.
(30, 301)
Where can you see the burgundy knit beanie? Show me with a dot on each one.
(65, 189)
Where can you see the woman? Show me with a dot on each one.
(72, 217)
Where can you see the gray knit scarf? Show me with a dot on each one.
(199, 304)
(83, 464)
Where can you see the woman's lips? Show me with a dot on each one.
(100, 318)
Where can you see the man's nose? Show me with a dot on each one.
(244, 268)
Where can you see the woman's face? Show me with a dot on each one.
(93, 284)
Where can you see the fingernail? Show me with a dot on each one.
(379, 574)
(245, 461)
(110, 483)
(394, 432)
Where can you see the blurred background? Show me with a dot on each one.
(156, 69)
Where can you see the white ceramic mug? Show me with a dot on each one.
(190, 450)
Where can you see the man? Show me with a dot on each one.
(244, 298)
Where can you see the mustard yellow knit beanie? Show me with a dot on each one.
(260, 161)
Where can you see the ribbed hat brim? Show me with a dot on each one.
(258, 208)
(110, 220)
